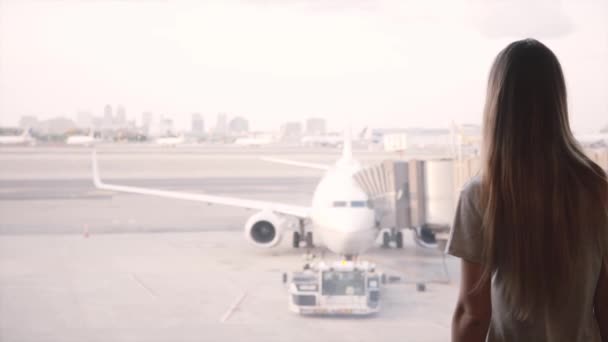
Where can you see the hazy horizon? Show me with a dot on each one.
(383, 63)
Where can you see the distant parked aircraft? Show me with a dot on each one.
(82, 140)
(336, 140)
(171, 141)
(254, 141)
(24, 139)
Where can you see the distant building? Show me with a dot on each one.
(84, 120)
(316, 126)
(221, 125)
(146, 122)
(131, 125)
(56, 126)
(120, 119)
(238, 125)
(108, 118)
(197, 124)
(466, 135)
(28, 121)
(97, 123)
(470, 129)
(417, 138)
(166, 127)
(291, 131)
(395, 142)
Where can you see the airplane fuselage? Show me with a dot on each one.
(343, 218)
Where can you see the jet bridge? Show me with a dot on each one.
(420, 195)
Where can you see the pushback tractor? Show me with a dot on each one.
(338, 288)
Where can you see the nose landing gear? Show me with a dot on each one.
(309, 241)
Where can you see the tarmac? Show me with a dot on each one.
(79, 264)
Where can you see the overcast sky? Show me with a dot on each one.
(382, 63)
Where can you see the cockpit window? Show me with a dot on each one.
(358, 204)
(353, 204)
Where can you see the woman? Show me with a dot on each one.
(532, 229)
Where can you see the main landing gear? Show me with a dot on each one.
(302, 235)
(392, 235)
(307, 238)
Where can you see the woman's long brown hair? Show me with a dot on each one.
(538, 187)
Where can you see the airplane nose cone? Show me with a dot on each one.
(349, 232)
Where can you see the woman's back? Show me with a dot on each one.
(572, 319)
(532, 229)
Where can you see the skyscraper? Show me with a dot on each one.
(315, 126)
(166, 127)
(221, 126)
(291, 131)
(197, 124)
(238, 125)
(108, 119)
(146, 122)
(120, 120)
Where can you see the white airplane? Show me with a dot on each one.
(336, 140)
(171, 141)
(82, 140)
(341, 215)
(254, 141)
(24, 139)
(329, 140)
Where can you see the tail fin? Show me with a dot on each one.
(362, 134)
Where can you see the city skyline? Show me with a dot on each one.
(108, 119)
(198, 124)
(367, 63)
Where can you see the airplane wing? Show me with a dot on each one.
(296, 163)
(291, 210)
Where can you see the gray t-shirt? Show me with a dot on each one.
(575, 320)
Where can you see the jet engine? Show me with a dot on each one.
(264, 229)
